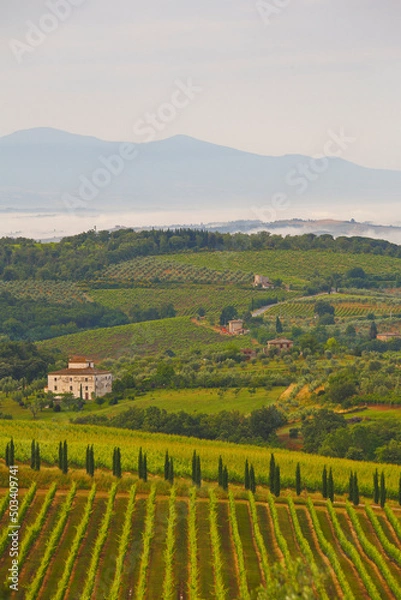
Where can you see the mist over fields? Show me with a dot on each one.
(53, 183)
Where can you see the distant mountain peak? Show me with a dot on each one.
(46, 135)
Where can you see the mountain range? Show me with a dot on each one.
(45, 169)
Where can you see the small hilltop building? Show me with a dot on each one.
(81, 378)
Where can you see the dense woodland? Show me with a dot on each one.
(26, 319)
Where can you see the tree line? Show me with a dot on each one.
(231, 426)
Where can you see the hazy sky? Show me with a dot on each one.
(271, 85)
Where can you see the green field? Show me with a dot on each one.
(209, 401)
(189, 400)
(150, 337)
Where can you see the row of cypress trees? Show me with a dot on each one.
(90, 460)
(380, 491)
(379, 484)
(63, 457)
(249, 478)
(274, 477)
(327, 484)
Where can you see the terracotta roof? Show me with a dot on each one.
(88, 371)
(280, 341)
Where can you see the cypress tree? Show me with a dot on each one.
(8, 454)
(60, 456)
(198, 471)
(351, 487)
(324, 482)
(140, 463)
(272, 469)
(376, 489)
(277, 482)
(87, 460)
(166, 466)
(33, 450)
(220, 472)
(37, 457)
(171, 471)
(117, 462)
(356, 490)
(114, 461)
(383, 492)
(225, 478)
(399, 491)
(252, 479)
(12, 450)
(330, 485)
(246, 476)
(298, 479)
(91, 461)
(145, 467)
(194, 468)
(65, 457)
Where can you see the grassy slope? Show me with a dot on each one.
(209, 401)
(149, 337)
(189, 400)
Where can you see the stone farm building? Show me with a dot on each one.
(262, 281)
(81, 376)
(280, 343)
(236, 327)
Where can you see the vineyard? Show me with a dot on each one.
(161, 269)
(346, 306)
(80, 544)
(150, 337)
(186, 299)
(49, 434)
(292, 266)
(63, 292)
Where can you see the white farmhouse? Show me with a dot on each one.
(81, 377)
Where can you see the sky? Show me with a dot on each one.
(271, 76)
